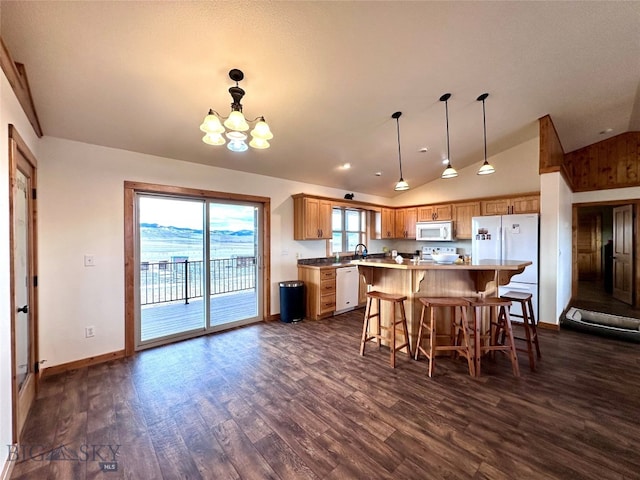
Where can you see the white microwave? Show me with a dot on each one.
(435, 231)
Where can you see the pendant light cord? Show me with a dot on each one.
(484, 124)
(399, 154)
(446, 109)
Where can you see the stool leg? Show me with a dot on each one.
(365, 325)
(465, 335)
(512, 345)
(419, 341)
(526, 324)
(534, 328)
(432, 337)
(392, 343)
(379, 324)
(405, 329)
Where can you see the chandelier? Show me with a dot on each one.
(235, 125)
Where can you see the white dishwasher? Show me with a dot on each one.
(346, 288)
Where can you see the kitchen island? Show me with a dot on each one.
(429, 279)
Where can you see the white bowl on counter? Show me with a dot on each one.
(446, 258)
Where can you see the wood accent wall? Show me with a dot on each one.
(552, 157)
(611, 163)
(17, 76)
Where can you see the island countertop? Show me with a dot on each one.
(485, 264)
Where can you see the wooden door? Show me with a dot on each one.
(24, 338)
(589, 247)
(623, 253)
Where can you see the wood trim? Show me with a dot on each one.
(192, 192)
(130, 189)
(552, 156)
(549, 326)
(8, 468)
(17, 76)
(82, 363)
(129, 272)
(18, 147)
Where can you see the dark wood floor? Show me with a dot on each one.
(592, 296)
(296, 401)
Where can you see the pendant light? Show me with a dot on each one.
(486, 168)
(401, 185)
(449, 172)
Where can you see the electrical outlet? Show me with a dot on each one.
(89, 332)
(89, 260)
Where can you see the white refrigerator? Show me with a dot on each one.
(510, 237)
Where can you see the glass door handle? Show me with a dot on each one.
(24, 309)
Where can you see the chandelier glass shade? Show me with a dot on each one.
(235, 125)
(449, 172)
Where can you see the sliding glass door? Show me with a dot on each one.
(198, 266)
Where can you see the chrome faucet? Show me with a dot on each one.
(364, 250)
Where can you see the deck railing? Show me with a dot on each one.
(166, 281)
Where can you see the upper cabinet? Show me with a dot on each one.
(311, 218)
(428, 213)
(405, 223)
(385, 223)
(511, 205)
(462, 215)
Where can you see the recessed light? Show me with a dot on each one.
(346, 166)
(605, 131)
(424, 150)
(378, 174)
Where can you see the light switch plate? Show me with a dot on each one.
(89, 260)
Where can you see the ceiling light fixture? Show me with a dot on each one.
(401, 185)
(486, 168)
(449, 172)
(235, 123)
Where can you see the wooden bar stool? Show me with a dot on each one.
(383, 332)
(499, 325)
(528, 323)
(459, 326)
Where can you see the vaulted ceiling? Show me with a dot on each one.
(327, 76)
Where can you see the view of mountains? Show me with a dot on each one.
(159, 242)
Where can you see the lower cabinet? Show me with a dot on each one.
(331, 289)
(320, 288)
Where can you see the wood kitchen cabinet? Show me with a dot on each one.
(384, 221)
(320, 290)
(311, 218)
(511, 205)
(428, 213)
(462, 215)
(405, 223)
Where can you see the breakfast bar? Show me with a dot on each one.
(479, 278)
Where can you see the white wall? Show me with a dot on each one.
(10, 113)
(516, 172)
(555, 247)
(81, 212)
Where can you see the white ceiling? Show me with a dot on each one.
(327, 76)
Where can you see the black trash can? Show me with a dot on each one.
(292, 305)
